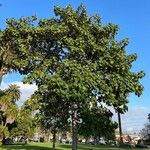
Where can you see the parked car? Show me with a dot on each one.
(141, 146)
(36, 139)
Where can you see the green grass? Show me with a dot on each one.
(46, 146)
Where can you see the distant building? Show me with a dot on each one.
(129, 138)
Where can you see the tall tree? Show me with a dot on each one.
(75, 57)
(52, 112)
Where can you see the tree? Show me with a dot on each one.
(14, 92)
(97, 123)
(25, 124)
(52, 113)
(74, 57)
(8, 110)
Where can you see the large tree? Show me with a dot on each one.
(74, 57)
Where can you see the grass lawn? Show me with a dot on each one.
(46, 146)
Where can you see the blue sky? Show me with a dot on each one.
(132, 16)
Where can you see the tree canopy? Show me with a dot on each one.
(73, 58)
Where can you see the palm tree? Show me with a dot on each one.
(14, 93)
(8, 107)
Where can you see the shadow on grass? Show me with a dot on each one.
(86, 147)
(61, 147)
(26, 147)
(98, 147)
(80, 147)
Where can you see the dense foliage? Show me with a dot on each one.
(25, 123)
(73, 59)
(8, 108)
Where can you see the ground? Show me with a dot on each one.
(46, 146)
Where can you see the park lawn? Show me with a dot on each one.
(47, 146)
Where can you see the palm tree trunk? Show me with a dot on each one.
(1, 72)
(2, 132)
(3, 139)
(3, 126)
(1, 75)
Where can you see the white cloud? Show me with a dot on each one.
(130, 129)
(134, 119)
(26, 90)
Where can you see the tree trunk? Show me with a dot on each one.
(74, 131)
(1, 75)
(86, 140)
(49, 137)
(3, 127)
(3, 139)
(119, 117)
(54, 139)
(120, 129)
(1, 72)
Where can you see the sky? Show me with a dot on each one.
(133, 19)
